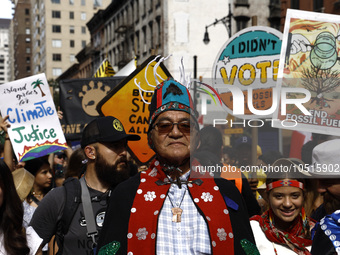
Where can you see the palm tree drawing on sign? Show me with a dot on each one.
(37, 83)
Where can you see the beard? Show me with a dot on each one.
(110, 174)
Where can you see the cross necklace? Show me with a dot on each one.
(177, 211)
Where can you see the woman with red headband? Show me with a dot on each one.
(284, 228)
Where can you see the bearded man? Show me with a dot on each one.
(173, 208)
(104, 142)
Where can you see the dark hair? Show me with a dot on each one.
(230, 152)
(293, 170)
(34, 165)
(270, 157)
(11, 213)
(307, 151)
(211, 140)
(75, 166)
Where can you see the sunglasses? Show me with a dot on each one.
(166, 126)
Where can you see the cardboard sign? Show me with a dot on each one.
(125, 102)
(35, 128)
(250, 59)
(309, 60)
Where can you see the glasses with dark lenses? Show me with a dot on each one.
(166, 126)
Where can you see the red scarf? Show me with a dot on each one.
(297, 237)
(148, 203)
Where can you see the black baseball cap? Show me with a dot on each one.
(105, 129)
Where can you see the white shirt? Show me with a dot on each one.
(33, 241)
(265, 246)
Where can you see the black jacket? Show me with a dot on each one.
(118, 213)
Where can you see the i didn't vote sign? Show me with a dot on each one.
(35, 128)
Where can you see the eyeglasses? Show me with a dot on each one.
(166, 126)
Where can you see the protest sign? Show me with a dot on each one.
(35, 128)
(126, 102)
(250, 59)
(309, 61)
(78, 102)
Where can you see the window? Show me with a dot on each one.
(28, 60)
(28, 69)
(318, 5)
(72, 58)
(144, 7)
(71, 29)
(295, 4)
(144, 39)
(56, 71)
(27, 11)
(28, 40)
(56, 14)
(241, 2)
(28, 31)
(55, 1)
(241, 22)
(97, 3)
(56, 28)
(83, 43)
(83, 30)
(72, 43)
(56, 43)
(83, 16)
(71, 2)
(71, 15)
(158, 39)
(151, 34)
(83, 2)
(56, 57)
(28, 50)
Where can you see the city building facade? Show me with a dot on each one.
(22, 40)
(51, 32)
(4, 50)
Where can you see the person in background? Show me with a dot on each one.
(228, 156)
(40, 169)
(265, 160)
(243, 153)
(60, 162)
(104, 143)
(7, 149)
(210, 153)
(315, 199)
(325, 168)
(14, 239)
(76, 164)
(284, 228)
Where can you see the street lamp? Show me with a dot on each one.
(225, 20)
(206, 39)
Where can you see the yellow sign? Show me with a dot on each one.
(230, 131)
(104, 70)
(126, 103)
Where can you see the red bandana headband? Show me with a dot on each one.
(281, 183)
